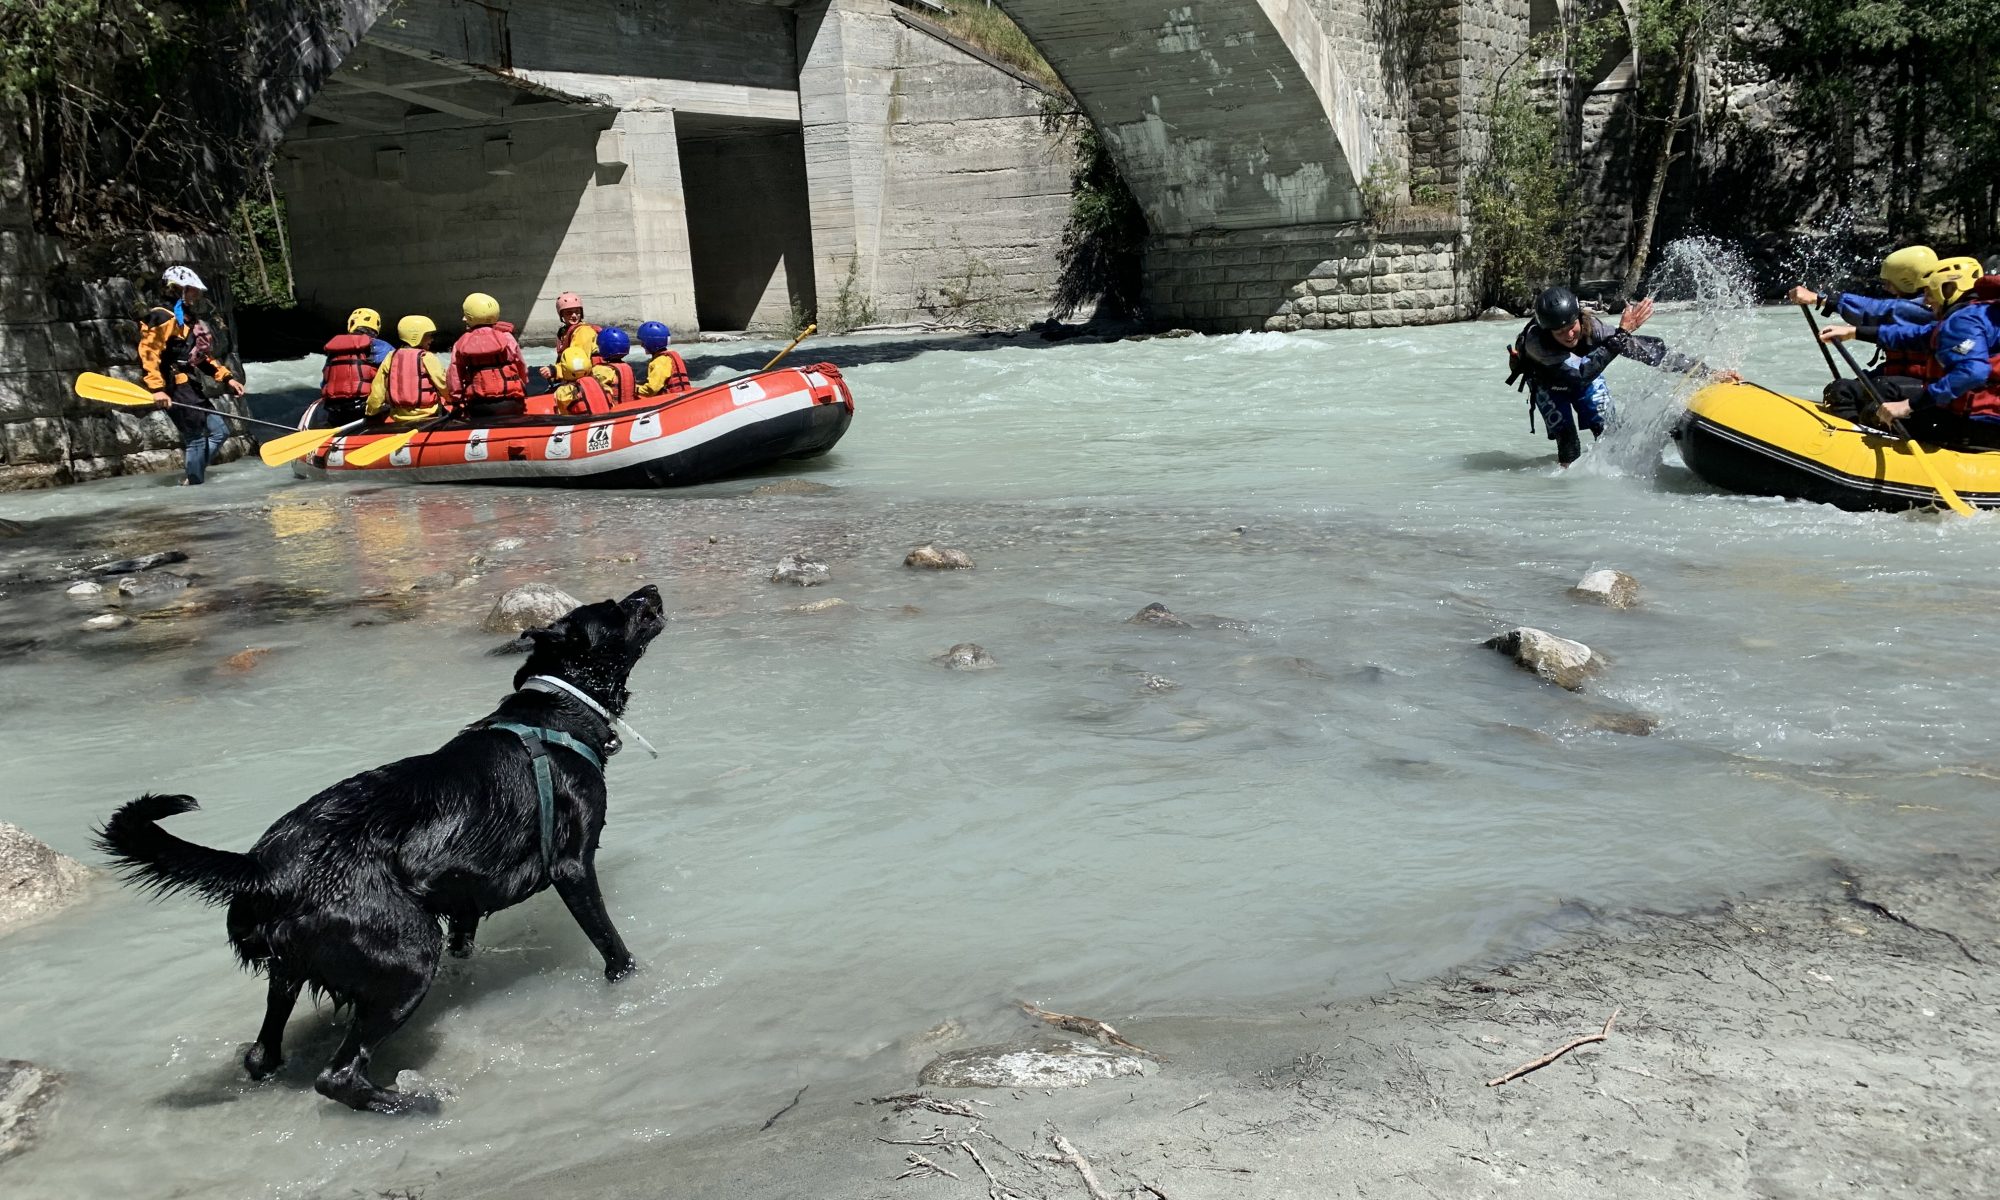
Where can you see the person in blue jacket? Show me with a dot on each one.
(1960, 404)
(1561, 355)
(1902, 277)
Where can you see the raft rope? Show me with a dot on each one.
(549, 683)
(536, 740)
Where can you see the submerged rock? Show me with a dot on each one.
(34, 880)
(932, 557)
(27, 1093)
(1047, 1064)
(244, 661)
(107, 621)
(792, 487)
(816, 606)
(1614, 589)
(145, 562)
(1157, 614)
(800, 571)
(1556, 659)
(530, 606)
(145, 587)
(1157, 683)
(87, 590)
(967, 656)
(1631, 724)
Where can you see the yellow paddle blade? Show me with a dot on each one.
(1952, 499)
(279, 451)
(92, 386)
(379, 449)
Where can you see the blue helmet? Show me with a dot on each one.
(613, 342)
(654, 336)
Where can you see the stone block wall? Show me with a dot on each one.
(1349, 276)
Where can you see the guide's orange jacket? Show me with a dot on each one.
(165, 352)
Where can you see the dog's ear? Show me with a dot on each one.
(550, 635)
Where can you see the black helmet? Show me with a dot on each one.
(1556, 308)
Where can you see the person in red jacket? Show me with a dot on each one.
(167, 363)
(352, 359)
(488, 376)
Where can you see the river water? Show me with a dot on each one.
(844, 844)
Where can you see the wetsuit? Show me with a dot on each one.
(1563, 382)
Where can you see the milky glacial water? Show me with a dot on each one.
(844, 844)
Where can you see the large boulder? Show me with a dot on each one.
(932, 557)
(1614, 589)
(1556, 659)
(34, 880)
(27, 1093)
(1041, 1064)
(530, 606)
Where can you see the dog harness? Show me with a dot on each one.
(536, 741)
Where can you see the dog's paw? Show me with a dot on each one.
(618, 969)
(258, 1063)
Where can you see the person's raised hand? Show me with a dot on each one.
(1635, 315)
(1801, 294)
(1727, 376)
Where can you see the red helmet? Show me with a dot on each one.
(569, 301)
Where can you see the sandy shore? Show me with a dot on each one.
(1839, 1041)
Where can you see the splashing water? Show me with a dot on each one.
(1830, 257)
(1712, 287)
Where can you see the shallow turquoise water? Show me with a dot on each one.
(845, 844)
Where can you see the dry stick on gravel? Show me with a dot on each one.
(1089, 1027)
(1067, 1153)
(789, 1107)
(950, 1108)
(919, 1165)
(995, 1190)
(1557, 1053)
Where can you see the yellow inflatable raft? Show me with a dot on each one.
(1746, 438)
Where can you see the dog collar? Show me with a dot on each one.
(554, 686)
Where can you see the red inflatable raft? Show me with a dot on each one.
(719, 430)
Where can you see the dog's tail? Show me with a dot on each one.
(150, 857)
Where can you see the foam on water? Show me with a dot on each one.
(845, 844)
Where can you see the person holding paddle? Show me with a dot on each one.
(1960, 402)
(1903, 278)
(1560, 356)
(167, 362)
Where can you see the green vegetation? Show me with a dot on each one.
(1521, 202)
(984, 26)
(969, 296)
(262, 264)
(1105, 237)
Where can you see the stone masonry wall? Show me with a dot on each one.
(1349, 276)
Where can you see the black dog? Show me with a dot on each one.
(345, 893)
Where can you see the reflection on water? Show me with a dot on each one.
(846, 844)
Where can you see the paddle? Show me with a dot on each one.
(803, 335)
(1951, 498)
(107, 390)
(279, 451)
(1823, 351)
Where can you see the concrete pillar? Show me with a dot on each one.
(664, 289)
(846, 79)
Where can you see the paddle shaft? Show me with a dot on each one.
(803, 335)
(1952, 499)
(1823, 351)
(227, 416)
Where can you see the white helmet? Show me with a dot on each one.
(185, 277)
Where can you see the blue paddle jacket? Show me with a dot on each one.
(1854, 309)
(1964, 344)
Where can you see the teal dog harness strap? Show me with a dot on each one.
(536, 740)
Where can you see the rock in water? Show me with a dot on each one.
(1156, 614)
(87, 590)
(244, 661)
(1615, 589)
(142, 587)
(801, 571)
(1556, 659)
(932, 557)
(1029, 1065)
(967, 656)
(530, 606)
(818, 606)
(27, 1093)
(145, 562)
(791, 487)
(34, 880)
(104, 622)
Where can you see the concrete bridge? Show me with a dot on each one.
(736, 151)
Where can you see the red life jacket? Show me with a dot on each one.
(563, 338)
(678, 379)
(1914, 362)
(489, 363)
(628, 387)
(410, 386)
(590, 396)
(350, 368)
(1981, 401)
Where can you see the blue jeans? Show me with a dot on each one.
(203, 435)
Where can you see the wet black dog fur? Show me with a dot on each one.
(346, 894)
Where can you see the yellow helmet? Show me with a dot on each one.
(576, 362)
(1950, 281)
(364, 318)
(1905, 269)
(481, 309)
(414, 329)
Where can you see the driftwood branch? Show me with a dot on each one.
(1557, 1053)
(904, 1101)
(921, 1166)
(789, 1107)
(1067, 1154)
(1089, 1027)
